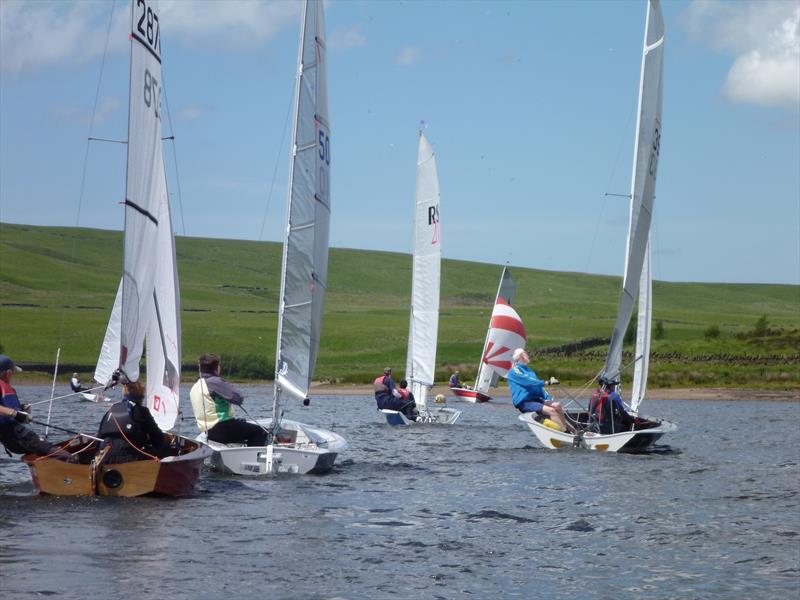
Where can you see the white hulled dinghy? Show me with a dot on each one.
(425, 282)
(296, 447)
(642, 432)
(487, 376)
(146, 308)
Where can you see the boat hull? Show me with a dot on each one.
(169, 476)
(470, 395)
(300, 449)
(433, 415)
(637, 440)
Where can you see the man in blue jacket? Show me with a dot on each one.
(528, 393)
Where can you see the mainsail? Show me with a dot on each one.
(304, 277)
(488, 377)
(147, 301)
(647, 144)
(506, 334)
(424, 320)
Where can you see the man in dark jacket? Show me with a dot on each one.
(130, 429)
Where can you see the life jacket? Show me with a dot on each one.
(9, 399)
(404, 393)
(380, 385)
(118, 421)
(598, 402)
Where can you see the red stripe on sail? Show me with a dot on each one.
(502, 301)
(491, 353)
(509, 324)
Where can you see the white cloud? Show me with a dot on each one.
(190, 113)
(40, 34)
(106, 107)
(764, 36)
(349, 37)
(35, 35)
(233, 24)
(408, 56)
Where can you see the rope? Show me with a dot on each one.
(130, 443)
(275, 170)
(174, 154)
(90, 390)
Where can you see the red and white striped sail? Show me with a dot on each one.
(506, 334)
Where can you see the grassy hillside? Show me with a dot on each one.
(57, 286)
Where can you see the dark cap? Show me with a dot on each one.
(6, 364)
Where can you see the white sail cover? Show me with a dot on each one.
(164, 330)
(488, 377)
(506, 334)
(643, 333)
(146, 185)
(646, 151)
(424, 321)
(304, 277)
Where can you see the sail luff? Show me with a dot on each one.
(305, 251)
(646, 151)
(426, 273)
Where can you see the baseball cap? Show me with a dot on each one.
(6, 364)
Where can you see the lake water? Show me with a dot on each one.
(474, 510)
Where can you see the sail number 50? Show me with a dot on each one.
(324, 147)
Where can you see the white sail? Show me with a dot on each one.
(506, 334)
(647, 144)
(643, 333)
(108, 361)
(488, 377)
(304, 277)
(164, 331)
(424, 320)
(146, 185)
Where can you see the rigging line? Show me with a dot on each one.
(174, 154)
(71, 265)
(275, 170)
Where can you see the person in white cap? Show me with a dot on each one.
(528, 393)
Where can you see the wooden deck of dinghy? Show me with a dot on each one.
(92, 476)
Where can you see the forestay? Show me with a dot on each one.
(305, 251)
(648, 139)
(506, 334)
(424, 321)
(488, 377)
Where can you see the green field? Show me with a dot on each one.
(57, 286)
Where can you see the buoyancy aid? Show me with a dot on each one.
(117, 421)
(9, 399)
(380, 384)
(404, 393)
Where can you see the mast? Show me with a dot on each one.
(426, 273)
(304, 271)
(646, 151)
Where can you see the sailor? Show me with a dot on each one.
(15, 434)
(213, 400)
(386, 393)
(528, 393)
(130, 429)
(454, 382)
(409, 408)
(607, 409)
(75, 384)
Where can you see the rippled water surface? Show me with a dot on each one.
(473, 510)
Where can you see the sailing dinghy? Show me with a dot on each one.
(487, 376)
(146, 307)
(296, 447)
(425, 281)
(637, 279)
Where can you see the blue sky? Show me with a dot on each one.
(530, 109)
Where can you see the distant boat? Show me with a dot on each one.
(146, 307)
(487, 376)
(296, 447)
(425, 282)
(637, 279)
